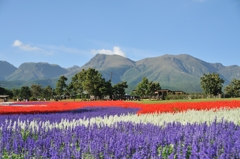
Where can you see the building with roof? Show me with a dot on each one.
(4, 98)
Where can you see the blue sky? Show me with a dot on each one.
(70, 33)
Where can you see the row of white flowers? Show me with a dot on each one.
(190, 116)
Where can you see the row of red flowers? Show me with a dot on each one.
(144, 108)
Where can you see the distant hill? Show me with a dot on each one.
(35, 71)
(73, 68)
(175, 72)
(111, 66)
(6, 69)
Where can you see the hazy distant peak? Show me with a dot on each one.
(103, 60)
(6, 69)
(74, 67)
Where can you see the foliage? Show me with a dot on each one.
(152, 87)
(85, 83)
(233, 89)
(197, 96)
(61, 85)
(75, 86)
(142, 87)
(16, 93)
(91, 81)
(211, 83)
(119, 89)
(4, 91)
(25, 92)
(146, 88)
(106, 88)
(47, 92)
(176, 97)
(36, 90)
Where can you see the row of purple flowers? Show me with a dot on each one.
(122, 140)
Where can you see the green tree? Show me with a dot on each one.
(75, 86)
(47, 92)
(16, 93)
(153, 87)
(119, 89)
(211, 83)
(36, 90)
(142, 87)
(4, 91)
(106, 88)
(70, 91)
(233, 89)
(61, 85)
(91, 81)
(25, 92)
(147, 88)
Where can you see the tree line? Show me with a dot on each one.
(212, 84)
(90, 84)
(85, 84)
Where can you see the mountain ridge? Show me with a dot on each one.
(6, 69)
(177, 72)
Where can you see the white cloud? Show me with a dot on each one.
(116, 51)
(26, 47)
(48, 49)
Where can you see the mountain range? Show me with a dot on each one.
(174, 72)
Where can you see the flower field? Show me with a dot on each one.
(117, 129)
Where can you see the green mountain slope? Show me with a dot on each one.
(6, 69)
(34, 71)
(175, 72)
(110, 66)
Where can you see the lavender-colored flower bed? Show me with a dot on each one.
(125, 140)
(120, 140)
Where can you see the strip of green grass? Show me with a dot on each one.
(147, 101)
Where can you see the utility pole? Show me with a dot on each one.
(111, 76)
